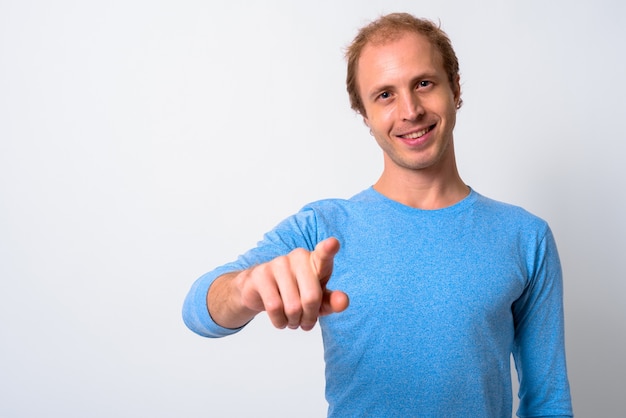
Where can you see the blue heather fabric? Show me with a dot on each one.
(439, 299)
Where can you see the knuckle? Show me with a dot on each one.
(311, 304)
(299, 253)
(273, 306)
(282, 261)
(293, 310)
(260, 272)
(311, 300)
(271, 268)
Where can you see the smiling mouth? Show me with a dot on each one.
(418, 134)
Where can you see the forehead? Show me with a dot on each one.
(401, 55)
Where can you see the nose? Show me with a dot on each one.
(410, 107)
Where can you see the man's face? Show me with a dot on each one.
(409, 103)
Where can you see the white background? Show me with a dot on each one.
(142, 143)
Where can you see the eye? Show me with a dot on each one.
(424, 83)
(384, 95)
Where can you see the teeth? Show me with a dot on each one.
(417, 134)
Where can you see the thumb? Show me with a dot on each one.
(322, 258)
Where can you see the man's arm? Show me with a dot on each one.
(290, 288)
(539, 348)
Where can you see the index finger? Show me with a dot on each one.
(322, 258)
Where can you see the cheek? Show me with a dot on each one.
(452, 117)
(447, 110)
(381, 119)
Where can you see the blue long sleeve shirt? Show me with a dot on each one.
(439, 300)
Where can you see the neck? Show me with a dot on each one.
(429, 188)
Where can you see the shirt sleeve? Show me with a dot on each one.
(297, 231)
(539, 347)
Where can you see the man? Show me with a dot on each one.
(443, 284)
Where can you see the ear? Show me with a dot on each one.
(365, 121)
(457, 91)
